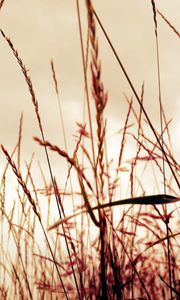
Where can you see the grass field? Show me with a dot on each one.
(107, 225)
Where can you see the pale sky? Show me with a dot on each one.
(42, 30)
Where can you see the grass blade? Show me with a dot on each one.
(144, 200)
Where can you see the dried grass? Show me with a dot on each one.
(124, 248)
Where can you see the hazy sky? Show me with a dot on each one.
(42, 30)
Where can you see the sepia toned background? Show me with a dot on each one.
(42, 30)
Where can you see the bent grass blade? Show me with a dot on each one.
(158, 199)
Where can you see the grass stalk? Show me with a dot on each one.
(28, 194)
(137, 97)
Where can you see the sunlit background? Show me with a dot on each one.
(45, 30)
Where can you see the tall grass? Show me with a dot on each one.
(101, 245)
